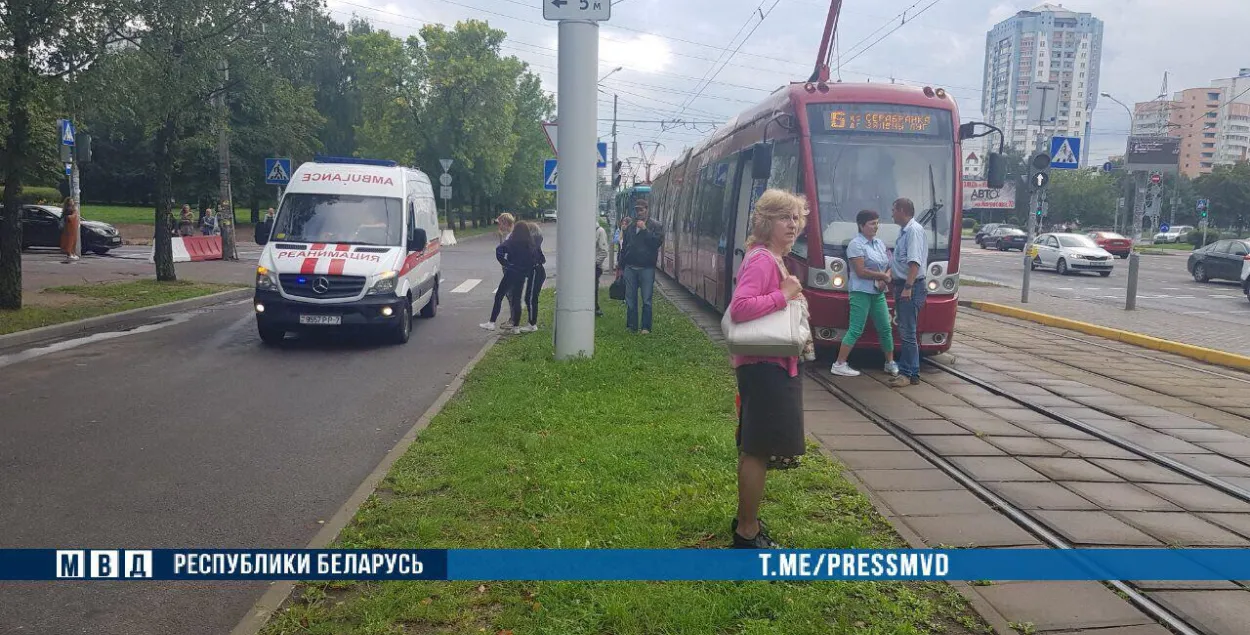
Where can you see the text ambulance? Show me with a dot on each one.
(354, 243)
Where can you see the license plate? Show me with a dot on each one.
(321, 319)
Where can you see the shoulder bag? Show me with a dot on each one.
(782, 333)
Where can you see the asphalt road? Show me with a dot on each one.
(190, 433)
(1163, 283)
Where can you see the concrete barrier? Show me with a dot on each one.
(192, 248)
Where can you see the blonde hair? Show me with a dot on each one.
(506, 219)
(774, 205)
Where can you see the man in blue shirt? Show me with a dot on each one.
(911, 254)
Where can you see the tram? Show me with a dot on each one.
(846, 147)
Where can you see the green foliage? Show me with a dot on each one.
(1081, 195)
(39, 195)
(1228, 189)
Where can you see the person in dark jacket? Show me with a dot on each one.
(640, 252)
(534, 282)
(516, 254)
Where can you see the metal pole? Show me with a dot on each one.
(225, 212)
(613, 221)
(1028, 247)
(576, 200)
(1131, 302)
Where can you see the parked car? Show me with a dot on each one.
(549, 215)
(41, 227)
(1005, 238)
(1173, 234)
(1067, 253)
(1115, 243)
(1221, 260)
(985, 230)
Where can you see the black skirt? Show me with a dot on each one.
(770, 417)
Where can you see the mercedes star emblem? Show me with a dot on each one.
(321, 285)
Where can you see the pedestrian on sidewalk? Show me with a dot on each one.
(69, 229)
(209, 224)
(601, 261)
(516, 256)
(534, 282)
(870, 276)
(639, 255)
(503, 226)
(911, 255)
(770, 390)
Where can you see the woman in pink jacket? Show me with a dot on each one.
(770, 415)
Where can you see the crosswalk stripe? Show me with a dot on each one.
(467, 285)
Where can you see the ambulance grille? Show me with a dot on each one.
(305, 285)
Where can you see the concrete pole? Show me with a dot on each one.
(576, 200)
(613, 221)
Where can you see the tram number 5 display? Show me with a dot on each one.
(879, 121)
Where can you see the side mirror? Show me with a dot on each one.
(762, 161)
(966, 130)
(262, 232)
(417, 239)
(996, 171)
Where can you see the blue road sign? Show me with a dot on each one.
(67, 132)
(277, 171)
(1065, 153)
(603, 155)
(1164, 227)
(549, 175)
(1107, 167)
(1202, 204)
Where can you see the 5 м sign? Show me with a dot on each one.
(979, 195)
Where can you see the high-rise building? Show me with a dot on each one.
(1049, 58)
(1212, 122)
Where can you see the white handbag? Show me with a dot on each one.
(782, 333)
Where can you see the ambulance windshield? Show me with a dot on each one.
(330, 218)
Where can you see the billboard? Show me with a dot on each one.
(979, 195)
(1160, 154)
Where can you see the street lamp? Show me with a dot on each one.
(618, 68)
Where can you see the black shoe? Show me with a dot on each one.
(760, 541)
(915, 381)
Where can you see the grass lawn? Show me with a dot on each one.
(1172, 246)
(91, 300)
(965, 282)
(124, 215)
(631, 449)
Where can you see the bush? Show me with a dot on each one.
(39, 195)
(1195, 237)
(971, 223)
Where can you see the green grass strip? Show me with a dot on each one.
(631, 449)
(103, 299)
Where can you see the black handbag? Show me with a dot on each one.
(617, 290)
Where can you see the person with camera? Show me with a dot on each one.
(640, 252)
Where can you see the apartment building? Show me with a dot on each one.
(1212, 122)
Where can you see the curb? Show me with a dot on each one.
(52, 331)
(259, 614)
(1209, 355)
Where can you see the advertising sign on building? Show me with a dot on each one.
(1159, 154)
(979, 195)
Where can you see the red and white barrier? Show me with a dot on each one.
(192, 248)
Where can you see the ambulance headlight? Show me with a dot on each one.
(384, 283)
(266, 280)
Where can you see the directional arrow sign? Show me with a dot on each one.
(598, 10)
(1040, 179)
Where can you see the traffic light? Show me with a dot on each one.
(1039, 171)
(616, 174)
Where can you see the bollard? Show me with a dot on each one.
(1132, 281)
(1028, 267)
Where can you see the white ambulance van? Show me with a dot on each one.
(355, 243)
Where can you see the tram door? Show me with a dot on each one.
(745, 195)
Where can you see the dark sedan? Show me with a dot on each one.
(1221, 260)
(41, 227)
(1005, 238)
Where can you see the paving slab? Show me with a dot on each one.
(1028, 446)
(1160, 442)
(1017, 415)
(836, 426)
(964, 445)
(970, 530)
(991, 426)
(937, 503)
(1218, 612)
(1212, 464)
(985, 399)
(1096, 528)
(1182, 529)
(1056, 431)
(861, 442)
(927, 480)
(1235, 449)
(1198, 498)
(1172, 422)
(1052, 606)
(1239, 523)
(1069, 469)
(897, 407)
(1206, 435)
(1186, 585)
(1095, 449)
(1142, 471)
(930, 426)
(997, 468)
(889, 460)
(1144, 629)
(1028, 496)
(1120, 496)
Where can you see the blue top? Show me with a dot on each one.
(910, 247)
(875, 259)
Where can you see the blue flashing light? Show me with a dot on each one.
(355, 161)
(301, 280)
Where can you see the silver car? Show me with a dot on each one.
(1071, 252)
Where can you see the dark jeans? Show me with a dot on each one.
(510, 286)
(598, 275)
(908, 312)
(638, 281)
(534, 285)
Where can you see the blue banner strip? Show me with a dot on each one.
(623, 564)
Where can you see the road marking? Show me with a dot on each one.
(1065, 288)
(1183, 297)
(467, 285)
(1093, 288)
(1224, 297)
(1194, 312)
(1171, 288)
(32, 353)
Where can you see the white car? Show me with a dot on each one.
(1066, 253)
(1173, 234)
(549, 215)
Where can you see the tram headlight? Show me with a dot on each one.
(933, 285)
(836, 266)
(949, 284)
(837, 282)
(935, 270)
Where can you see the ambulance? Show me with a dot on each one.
(355, 243)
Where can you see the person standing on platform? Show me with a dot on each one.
(870, 275)
(601, 261)
(639, 254)
(69, 230)
(911, 255)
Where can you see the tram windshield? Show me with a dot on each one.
(868, 155)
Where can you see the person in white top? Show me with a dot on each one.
(601, 260)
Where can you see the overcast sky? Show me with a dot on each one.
(668, 47)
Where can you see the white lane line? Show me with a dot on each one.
(1223, 297)
(32, 353)
(467, 285)
(1059, 288)
(1194, 312)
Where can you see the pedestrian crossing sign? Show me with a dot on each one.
(549, 175)
(277, 171)
(67, 132)
(1065, 153)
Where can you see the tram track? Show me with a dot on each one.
(1035, 526)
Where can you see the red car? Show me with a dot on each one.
(1113, 242)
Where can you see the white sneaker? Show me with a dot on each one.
(891, 368)
(529, 328)
(490, 326)
(516, 330)
(843, 369)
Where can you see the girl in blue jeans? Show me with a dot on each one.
(870, 276)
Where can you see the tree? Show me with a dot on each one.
(38, 38)
(522, 185)
(1227, 187)
(1083, 196)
